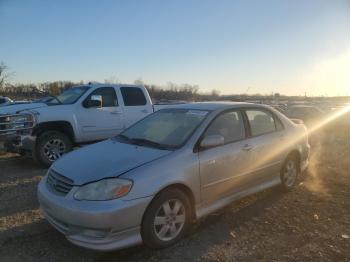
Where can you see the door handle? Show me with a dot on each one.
(247, 147)
(115, 112)
(145, 111)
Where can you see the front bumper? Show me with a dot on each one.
(19, 144)
(99, 225)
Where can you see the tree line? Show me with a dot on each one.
(170, 92)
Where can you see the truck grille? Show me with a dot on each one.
(59, 184)
(16, 124)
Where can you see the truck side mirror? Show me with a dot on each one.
(94, 101)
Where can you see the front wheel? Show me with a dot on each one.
(289, 173)
(50, 146)
(167, 219)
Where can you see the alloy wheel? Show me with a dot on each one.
(290, 174)
(169, 220)
(54, 149)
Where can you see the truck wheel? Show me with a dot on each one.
(50, 146)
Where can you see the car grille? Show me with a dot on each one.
(59, 184)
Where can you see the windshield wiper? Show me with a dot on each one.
(145, 142)
(124, 137)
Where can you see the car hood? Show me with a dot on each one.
(109, 158)
(15, 108)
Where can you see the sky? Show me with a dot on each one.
(288, 47)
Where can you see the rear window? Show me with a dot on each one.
(133, 96)
(261, 122)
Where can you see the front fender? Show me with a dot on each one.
(177, 168)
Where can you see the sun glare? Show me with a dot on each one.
(330, 77)
(287, 144)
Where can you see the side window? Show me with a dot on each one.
(230, 125)
(133, 96)
(2, 100)
(261, 122)
(109, 97)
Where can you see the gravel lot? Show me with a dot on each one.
(310, 223)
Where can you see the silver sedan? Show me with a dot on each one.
(148, 184)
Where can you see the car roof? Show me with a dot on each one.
(220, 105)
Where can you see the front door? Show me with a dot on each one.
(222, 168)
(101, 122)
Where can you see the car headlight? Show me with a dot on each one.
(105, 189)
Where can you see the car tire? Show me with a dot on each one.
(162, 227)
(50, 146)
(290, 172)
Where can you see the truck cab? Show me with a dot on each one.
(81, 114)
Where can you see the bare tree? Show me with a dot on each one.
(4, 75)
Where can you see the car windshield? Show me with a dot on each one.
(68, 96)
(165, 129)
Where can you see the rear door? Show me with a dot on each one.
(136, 104)
(266, 145)
(222, 168)
(101, 122)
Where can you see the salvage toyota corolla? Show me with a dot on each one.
(150, 183)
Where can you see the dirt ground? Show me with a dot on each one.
(311, 222)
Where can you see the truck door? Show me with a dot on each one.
(137, 104)
(103, 122)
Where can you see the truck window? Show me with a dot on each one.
(133, 96)
(109, 97)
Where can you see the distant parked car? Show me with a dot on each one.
(309, 114)
(179, 164)
(5, 101)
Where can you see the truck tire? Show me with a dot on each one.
(50, 146)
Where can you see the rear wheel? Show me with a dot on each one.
(50, 146)
(167, 219)
(290, 172)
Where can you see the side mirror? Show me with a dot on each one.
(94, 101)
(212, 141)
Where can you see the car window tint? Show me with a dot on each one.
(133, 96)
(261, 122)
(109, 97)
(2, 100)
(230, 125)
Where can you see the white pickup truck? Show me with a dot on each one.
(81, 114)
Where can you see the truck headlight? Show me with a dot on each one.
(22, 118)
(105, 189)
(20, 121)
